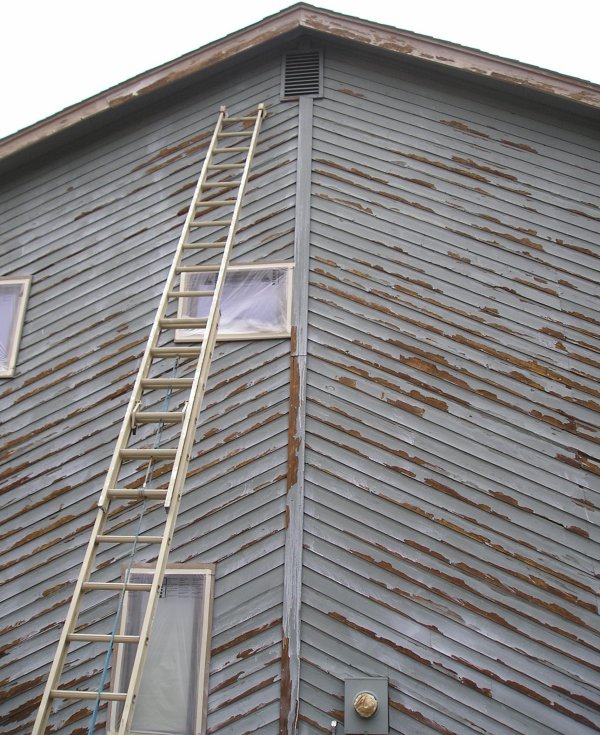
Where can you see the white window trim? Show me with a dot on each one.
(196, 335)
(208, 571)
(24, 281)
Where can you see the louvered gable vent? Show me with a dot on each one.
(302, 74)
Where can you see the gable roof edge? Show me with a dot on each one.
(450, 55)
(154, 79)
(324, 22)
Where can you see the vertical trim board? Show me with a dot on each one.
(296, 439)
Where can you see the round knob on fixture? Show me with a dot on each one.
(365, 704)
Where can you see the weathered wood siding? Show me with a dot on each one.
(451, 522)
(451, 445)
(96, 226)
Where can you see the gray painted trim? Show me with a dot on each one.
(290, 675)
(302, 230)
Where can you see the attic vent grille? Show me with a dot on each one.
(302, 74)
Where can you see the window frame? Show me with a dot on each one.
(13, 348)
(206, 570)
(196, 335)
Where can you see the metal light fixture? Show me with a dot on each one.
(366, 706)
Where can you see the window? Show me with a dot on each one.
(172, 695)
(255, 302)
(13, 299)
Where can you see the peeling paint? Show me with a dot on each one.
(457, 125)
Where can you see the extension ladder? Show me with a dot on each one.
(215, 208)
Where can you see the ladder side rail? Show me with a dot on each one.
(126, 428)
(56, 669)
(184, 450)
(181, 461)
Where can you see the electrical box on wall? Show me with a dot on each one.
(366, 706)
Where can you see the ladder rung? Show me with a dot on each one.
(219, 184)
(132, 493)
(238, 119)
(232, 149)
(229, 134)
(216, 202)
(110, 539)
(202, 245)
(183, 322)
(224, 166)
(189, 294)
(198, 268)
(117, 586)
(212, 223)
(147, 453)
(155, 417)
(167, 382)
(103, 638)
(175, 351)
(74, 694)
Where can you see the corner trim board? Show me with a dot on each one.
(292, 591)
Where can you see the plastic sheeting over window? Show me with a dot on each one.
(171, 694)
(13, 296)
(255, 302)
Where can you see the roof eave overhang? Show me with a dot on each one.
(298, 18)
(451, 56)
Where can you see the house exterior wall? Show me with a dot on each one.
(451, 497)
(446, 503)
(96, 227)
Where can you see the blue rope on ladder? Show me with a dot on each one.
(109, 651)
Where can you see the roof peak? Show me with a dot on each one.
(309, 18)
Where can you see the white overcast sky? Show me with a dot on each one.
(54, 53)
